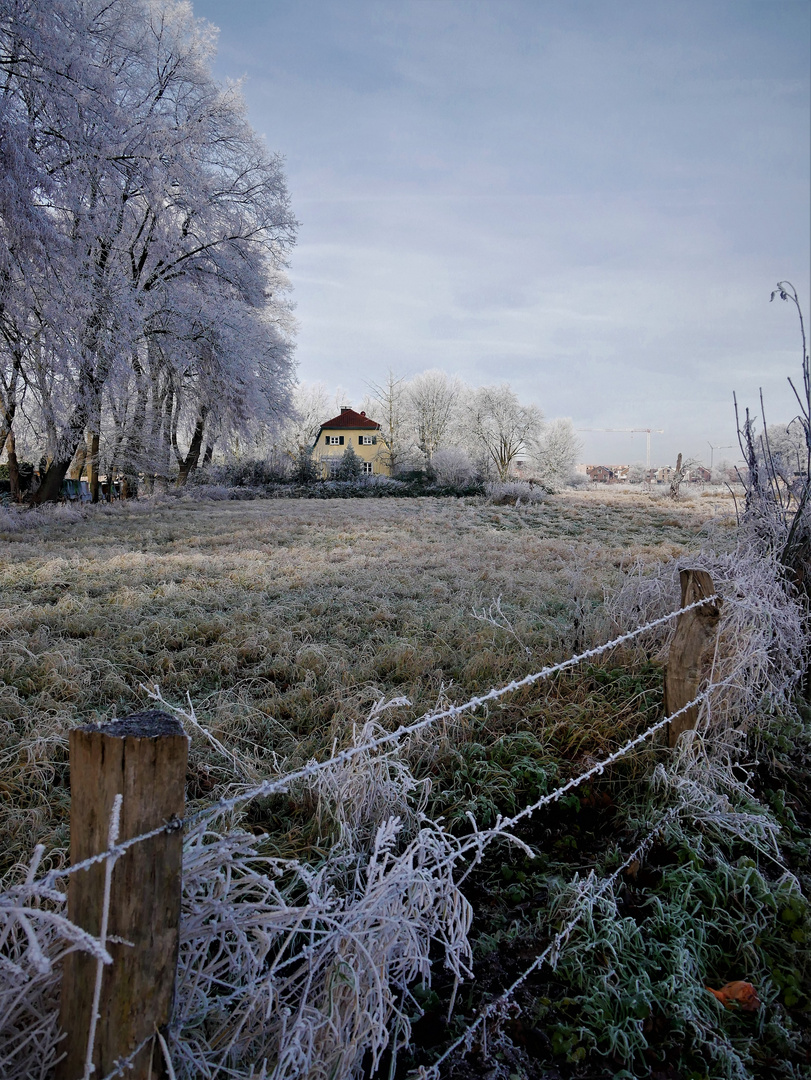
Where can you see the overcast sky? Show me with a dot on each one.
(589, 200)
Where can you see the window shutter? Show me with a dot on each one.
(374, 440)
(340, 440)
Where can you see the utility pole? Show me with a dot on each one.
(646, 430)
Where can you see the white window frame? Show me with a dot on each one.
(366, 468)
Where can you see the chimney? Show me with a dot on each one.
(346, 408)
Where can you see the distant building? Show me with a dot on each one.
(353, 429)
(699, 475)
(601, 474)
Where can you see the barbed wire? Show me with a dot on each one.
(279, 784)
(552, 950)
(122, 1065)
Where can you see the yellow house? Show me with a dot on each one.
(350, 429)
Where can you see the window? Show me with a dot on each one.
(366, 467)
(334, 466)
(368, 440)
(335, 440)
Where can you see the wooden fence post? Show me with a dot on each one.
(143, 758)
(691, 650)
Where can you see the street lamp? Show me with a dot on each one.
(713, 448)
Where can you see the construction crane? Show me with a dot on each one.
(634, 430)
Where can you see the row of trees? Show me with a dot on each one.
(144, 232)
(438, 423)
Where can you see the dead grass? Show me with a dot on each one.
(285, 621)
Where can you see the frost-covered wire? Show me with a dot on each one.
(266, 943)
(124, 1065)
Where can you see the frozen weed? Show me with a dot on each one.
(514, 493)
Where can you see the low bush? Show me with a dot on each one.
(514, 492)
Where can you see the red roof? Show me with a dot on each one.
(351, 419)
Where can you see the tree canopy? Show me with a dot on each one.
(144, 235)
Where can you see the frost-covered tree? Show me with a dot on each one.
(637, 473)
(452, 467)
(789, 452)
(388, 403)
(501, 427)
(350, 467)
(556, 455)
(312, 406)
(156, 309)
(435, 400)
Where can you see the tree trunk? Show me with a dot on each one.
(93, 464)
(133, 443)
(13, 467)
(77, 465)
(50, 489)
(209, 454)
(675, 483)
(189, 463)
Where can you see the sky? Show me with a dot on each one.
(589, 200)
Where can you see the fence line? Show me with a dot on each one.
(279, 784)
(478, 842)
(474, 844)
(551, 950)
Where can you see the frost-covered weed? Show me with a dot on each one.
(762, 641)
(639, 964)
(35, 936)
(514, 493)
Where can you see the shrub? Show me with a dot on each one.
(244, 473)
(514, 492)
(453, 468)
(350, 467)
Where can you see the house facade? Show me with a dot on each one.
(353, 429)
(699, 475)
(601, 474)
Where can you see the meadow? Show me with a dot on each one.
(286, 621)
(278, 626)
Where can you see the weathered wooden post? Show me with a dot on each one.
(143, 758)
(691, 650)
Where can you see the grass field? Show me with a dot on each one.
(285, 622)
